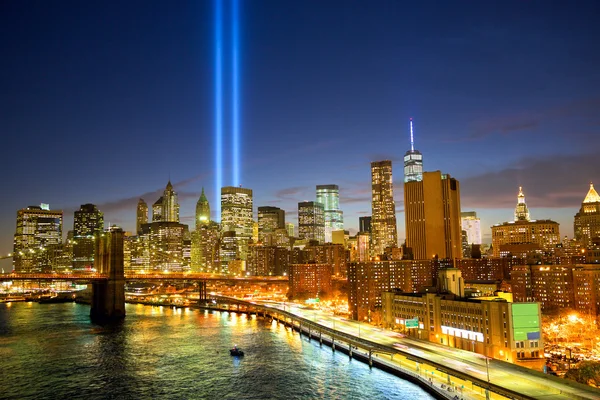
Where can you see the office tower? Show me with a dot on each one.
(329, 196)
(206, 248)
(142, 216)
(289, 227)
(202, 211)
(364, 224)
(166, 243)
(157, 210)
(587, 220)
(521, 210)
(383, 219)
(269, 220)
(311, 221)
(137, 253)
(88, 222)
(472, 225)
(170, 210)
(236, 217)
(432, 216)
(523, 237)
(413, 161)
(39, 229)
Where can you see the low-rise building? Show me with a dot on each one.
(492, 326)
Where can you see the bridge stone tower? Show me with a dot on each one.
(108, 297)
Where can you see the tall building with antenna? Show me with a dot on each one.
(413, 161)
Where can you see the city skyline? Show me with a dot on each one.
(499, 116)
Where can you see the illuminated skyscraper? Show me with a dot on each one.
(205, 239)
(521, 210)
(364, 224)
(202, 211)
(432, 217)
(157, 210)
(413, 161)
(269, 220)
(170, 210)
(311, 221)
(289, 227)
(39, 229)
(587, 220)
(142, 216)
(88, 221)
(383, 219)
(472, 225)
(236, 216)
(329, 196)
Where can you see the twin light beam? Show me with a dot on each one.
(219, 98)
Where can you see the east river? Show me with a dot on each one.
(53, 351)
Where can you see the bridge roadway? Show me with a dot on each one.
(93, 277)
(459, 366)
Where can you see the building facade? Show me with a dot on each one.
(267, 260)
(491, 326)
(587, 220)
(202, 211)
(432, 217)
(39, 230)
(141, 217)
(472, 225)
(270, 219)
(524, 238)
(236, 217)
(329, 196)
(413, 161)
(384, 231)
(310, 280)
(88, 222)
(311, 221)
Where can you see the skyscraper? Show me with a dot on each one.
(205, 239)
(413, 161)
(270, 219)
(364, 224)
(202, 211)
(521, 210)
(311, 221)
(383, 219)
(157, 210)
(587, 220)
(142, 216)
(236, 216)
(39, 229)
(472, 225)
(88, 222)
(170, 206)
(329, 196)
(432, 216)
(290, 228)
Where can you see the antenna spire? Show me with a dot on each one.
(412, 140)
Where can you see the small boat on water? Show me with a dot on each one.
(236, 352)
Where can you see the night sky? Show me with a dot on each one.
(102, 102)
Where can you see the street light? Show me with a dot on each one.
(487, 367)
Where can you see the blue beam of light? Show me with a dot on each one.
(235, 88)
(218, 106)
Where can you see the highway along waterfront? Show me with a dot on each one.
(451, 372)
(53, 351)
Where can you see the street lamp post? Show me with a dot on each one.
(487, 367)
